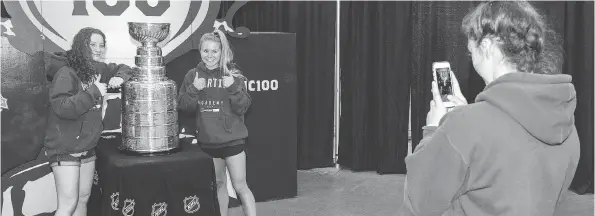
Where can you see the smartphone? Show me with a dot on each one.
(442, 77)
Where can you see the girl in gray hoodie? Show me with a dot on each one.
(216, 92)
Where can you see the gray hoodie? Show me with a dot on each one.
(513, 152)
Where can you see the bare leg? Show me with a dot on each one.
(237, 172)
(221, 179)
(67, 188)
(85, 184)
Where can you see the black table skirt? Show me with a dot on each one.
(181, 183)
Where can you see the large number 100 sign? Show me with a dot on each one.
(80, 7)
(187, 18)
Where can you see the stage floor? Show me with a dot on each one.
(344, 193)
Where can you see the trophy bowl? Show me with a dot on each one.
(150, 33)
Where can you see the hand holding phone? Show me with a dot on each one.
(442, 76)
(437, 108)
(457, 97)
(448, 85)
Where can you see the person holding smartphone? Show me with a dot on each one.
(516, 149)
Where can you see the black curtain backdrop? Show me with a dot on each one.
(387, 49)
(437, 36)
(314, 25)
(375, 59)
(578, 46)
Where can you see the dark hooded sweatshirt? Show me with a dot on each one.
(513, 152)
(74, 119)
(219, 110)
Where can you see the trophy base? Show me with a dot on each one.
(159, 153)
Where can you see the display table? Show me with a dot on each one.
(181, 183)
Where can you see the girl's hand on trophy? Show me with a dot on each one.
(101, 86)
(116, 82)
(227, 81)
(199, 83)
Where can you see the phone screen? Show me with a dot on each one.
(443, 80)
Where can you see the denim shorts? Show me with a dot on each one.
(75, 159)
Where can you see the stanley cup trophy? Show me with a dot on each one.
(149, 108)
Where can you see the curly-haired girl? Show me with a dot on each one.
(75, 118)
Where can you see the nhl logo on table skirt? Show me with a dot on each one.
(128, 208)
(159, 209)
(191, 204)
(115, 197)
(56, 22)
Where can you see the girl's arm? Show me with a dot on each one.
(188, 94)
(66, 102)
(239, 97)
